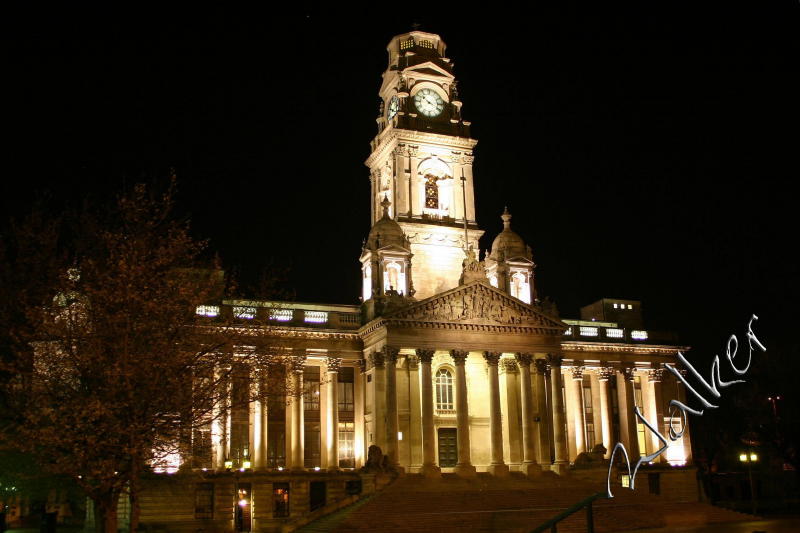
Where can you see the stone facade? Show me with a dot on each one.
(450, 364)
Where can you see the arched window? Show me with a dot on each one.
(431, 192)
(367, 283)
(393, 277)
(444, 390)
(520, 288)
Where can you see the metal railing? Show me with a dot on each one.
(552, 524)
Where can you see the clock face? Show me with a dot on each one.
(428, 102)
(394, 106)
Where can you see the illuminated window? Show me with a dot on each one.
(615, 306)
(281, 315)
(520, 288)
(425, 44)
(241, 311)
(393, 277)
(207, 310)
(317, 317)
(431, 192)
(568, 332)
(280, 500)
(630, 306)
(614, 333)
(639, 335)
(444, 390)
(366, 291)
(408, 43)
(347, 445)
(588, 331)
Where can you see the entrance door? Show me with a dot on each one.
(448, 447)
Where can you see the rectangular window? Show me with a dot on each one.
(640, 429)
(614, 333)
(588, 331)
(347, 443)
(311, 445)
(346, 402)
(311, 388)
(204, 500)
(276, 445)
(316, 317)
(242, 311)
(280, 500)
(280, 315)
(638, 335)
(207, 310)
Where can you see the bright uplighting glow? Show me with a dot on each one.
(743, 457)
(399, 435)
(639, 335)
(753, 457)
(242, 502)
(246, 464)
(316, 469)
(207, 310)
(280, 469)
(169, 464)
(228, 464)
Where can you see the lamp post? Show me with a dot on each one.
(749, 458)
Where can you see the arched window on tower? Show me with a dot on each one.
(367, 283)
(393, 277)
(431, 192)
(444, 390)
(520, 288)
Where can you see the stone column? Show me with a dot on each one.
(429, 468)
(392, 422)
(654, 377)
(332, 413)
(686, 438)
(541, 430)
(261, 411)
(497, 467)
(561, 463)
(414, 438)
(464, 466)
(606, 416)
(577, 402)
(529, 465)
(297, 456)
(627, 419)
(379, 400)
(414, 204)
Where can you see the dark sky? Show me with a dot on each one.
(647, 153)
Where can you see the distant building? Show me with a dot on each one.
(450, 364)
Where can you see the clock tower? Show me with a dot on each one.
(421, 162)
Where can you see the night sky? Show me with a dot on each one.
(644, 154)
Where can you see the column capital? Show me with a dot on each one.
(333, 363)
(628, 372)
(298, 362)
(605, 373)
(577, 369)
(555, 360)
(509, 366)
(362, 365)
(412, 361)
(541, 366)
(655, 374)
(425, 355)
(459, 356)
(391, 353)
(524, 359)
(492, 358)
(376, 359)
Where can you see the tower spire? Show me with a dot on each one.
(506, 216)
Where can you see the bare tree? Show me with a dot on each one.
(108, 366)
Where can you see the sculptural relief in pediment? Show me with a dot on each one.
(476, 304)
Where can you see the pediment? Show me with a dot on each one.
(478, 303)
(427, 68)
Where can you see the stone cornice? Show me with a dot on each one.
(644, 349)
(390, 136)
(455, 326)
(305, 333)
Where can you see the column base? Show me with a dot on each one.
(531, 469)
(431, 471)
(499, 470)
(562, 469)
(465, 470)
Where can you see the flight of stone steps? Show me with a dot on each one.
(513, 504)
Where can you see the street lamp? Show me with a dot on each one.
(749, 458)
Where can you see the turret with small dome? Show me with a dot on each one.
(509, 265)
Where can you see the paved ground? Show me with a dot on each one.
(778, 525)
